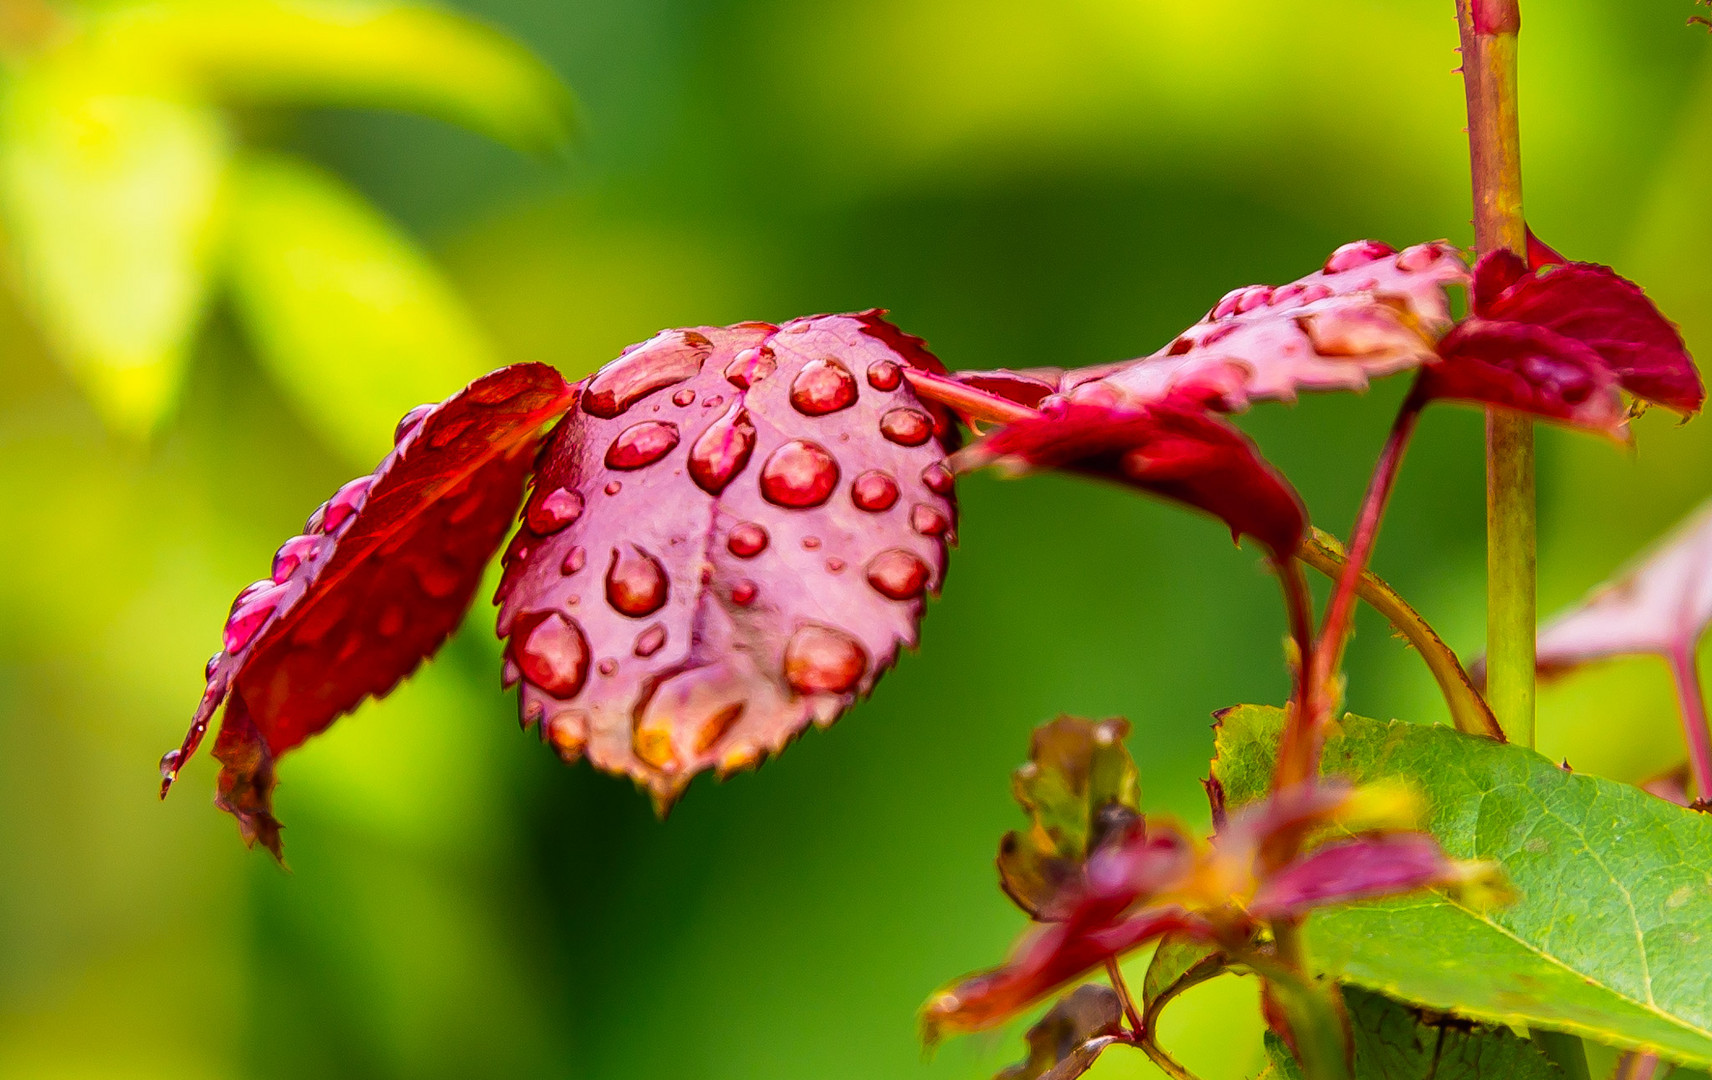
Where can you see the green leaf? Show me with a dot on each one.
(1395, 1042)
(408, 57)
(1178, 964)
(1610, 935)
(351, 319)
(1079, 782)
(112, 199)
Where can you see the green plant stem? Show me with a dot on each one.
(1468, 709)
(1489, 30)
(1312, 1009)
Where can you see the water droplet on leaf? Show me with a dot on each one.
(938, 479)
(874, 491)
(928, 520)
(651, 640)
(798, 475)
(642, 444)
(906, 427)
(555, 510)
(747, 540)
(554, 654)
(821, 660)
(743, 593)
(823, 386)
(636, 583)
(898, 574)
(409, 421)
(722, 451)
(885, 375)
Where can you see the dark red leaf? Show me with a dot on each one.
(735, 541)
(1069, 1038)
(384, 572)
(1171, 449)
(1529, 369)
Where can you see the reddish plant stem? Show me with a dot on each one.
(1131, 1013)
(1299, 756)
(1695, 729)
(966, 401)
(1299, 608)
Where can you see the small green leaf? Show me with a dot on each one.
(1395, 1042)
(1609, 937)
(1178, 964)
(112, 200)
(1078, 780)
(409, 57)
(351, 318)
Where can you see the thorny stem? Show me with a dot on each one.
(1489, 29)
(1468, 710)
(1131, 1013)
(1692, 697)
(1299, 756)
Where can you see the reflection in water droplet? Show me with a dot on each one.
(636, 583)
(553, 511)
(607, 666)
(665, 360)
(553, 653)
(743, 593)
(407, 423)
(821, 660)
(938, 479)
(898, 574)
(823, 386)
(884, 375)
(750, 366)
(906, 427)
(613, 487)
(928, 520)
(642, 444)
(747, 540)
(717, 726)
(291, 555)
(874, 491)
(798, 475)
(722, 451)
(651, 640)
(684, 397)
(241, 628)
(213, 663)
(573, 561)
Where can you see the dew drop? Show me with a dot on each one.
(746, 540)
(684, 397)
(885, 375)
(1252, 297)
(642, 444)
(169, 763)
(343, 505)
(568, 732)
(651, 640)
(722, 451)
(241, 628)
(835, 565)
(636, 583)
(554, 654)
(665, 360)
(292, 554)
(1226, 306)
(906, 427)
(613, 487)
(928, 520)
(898, 574)
(555, 510)
(212, 665)
(713, 402)
(750, 366)
(573, 561)
(874, 491)
(798, 475)
(409, 422)
(1415, 259)
(743, 593)
(312, 524)
(607, 666)
(938, 479)
(1359, 253)
(249, 592)
(821, 660)
(823, 386)
(809, 543)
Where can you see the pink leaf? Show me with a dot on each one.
(1364, 869)
(384, 572)
(1169, 448)
(729, 539)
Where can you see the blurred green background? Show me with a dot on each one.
(191, 361)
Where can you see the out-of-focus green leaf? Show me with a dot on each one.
(1609, 938)
(410, 57)
(349, 316)
(112, 204)
(1395, 1042)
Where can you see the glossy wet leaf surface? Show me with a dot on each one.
(384, 572)
(1609, 933)
(731, 537)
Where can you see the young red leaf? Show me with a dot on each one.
(1169, 448)
(1361, 869)
(1529, 369)
(385, 570)
(1066, 1041)
(731, 537)
(1370, 311)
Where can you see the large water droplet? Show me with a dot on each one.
(885, 375)
(928, 520)
(573, 561)
(636, 583)
(241, 628)
(874, 491)
(344, 503)
(798, 475)
(1415, 259)
(553, 654)
(651, 640)
(746, 540)
(684, 397)
(750, 366)
(821, 660)
(568, 732)
(906, 427)
(409, 421)
(823, 386)
(898, 574)
(663, 361)
(743, 592)
(1359, 253)
(938, 479)
(642, 444)
(291, 555)
(169, 764)
(549, 513)
(722, 451)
